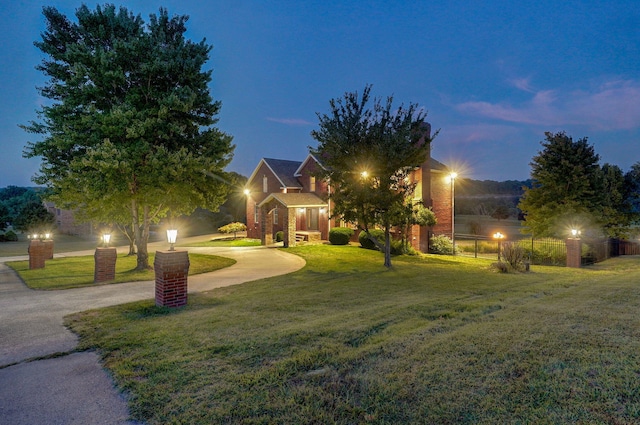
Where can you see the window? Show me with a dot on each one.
(275, 215)
(312, 184)
(265, 184)
(256, 214)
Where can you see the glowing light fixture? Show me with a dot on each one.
(106, 238)
(172, 235)
(247, 192)
(499, 236)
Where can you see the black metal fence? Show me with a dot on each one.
(546, 251)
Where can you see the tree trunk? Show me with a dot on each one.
(387, 247)
(141, 233)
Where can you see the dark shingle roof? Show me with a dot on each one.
(284, 170)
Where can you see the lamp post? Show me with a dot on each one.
(172, 235)
(452, 178)
(499, 236)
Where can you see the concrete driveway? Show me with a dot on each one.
(73, 388)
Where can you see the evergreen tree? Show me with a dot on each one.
(567, 188)
(131, 123)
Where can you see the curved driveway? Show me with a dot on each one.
(74, 389)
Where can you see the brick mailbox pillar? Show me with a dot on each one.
(48, 247)
(105, 269)
(574, 252)
(172, 269)
(37, 254)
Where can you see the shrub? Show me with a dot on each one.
(340, 235)
(366, 243)
(398, 247)
(500, 266)
(514, 255)
(441, 244)
(233, 228)
(11, 236)
(279, 236)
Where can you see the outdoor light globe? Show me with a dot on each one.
(47, 236)
(106, 238)
(247, 192)
(172, 235)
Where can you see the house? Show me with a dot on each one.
(66, 222)
(284, 195)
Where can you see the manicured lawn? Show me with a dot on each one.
(74, 272)
(435, 340)
(227, 242)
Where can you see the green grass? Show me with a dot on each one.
(74, 272)
(241, 242)
(435, 340)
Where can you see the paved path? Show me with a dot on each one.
(74, 389)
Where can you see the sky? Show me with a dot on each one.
(494, 75)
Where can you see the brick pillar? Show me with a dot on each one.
(48, 246)
(105, 265)
(172, 269)
(574, 252)
(37, 254)
(290, 227)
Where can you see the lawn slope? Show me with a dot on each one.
(434, 340)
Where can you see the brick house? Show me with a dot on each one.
(66, 222)
(284, 195)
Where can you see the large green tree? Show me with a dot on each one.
(368, 153)
(131, 120)
(570, 189)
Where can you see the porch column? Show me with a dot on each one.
(290, 227)
(266, 225)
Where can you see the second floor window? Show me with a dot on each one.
(265, 184)
(312, 184)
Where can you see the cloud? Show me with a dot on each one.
(290, 121)
(614, 105)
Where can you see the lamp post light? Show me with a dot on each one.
(575, 233)
(172, 235)
(47, 236)
(106, 238)
(499, 236)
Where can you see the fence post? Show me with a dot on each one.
(574, 252)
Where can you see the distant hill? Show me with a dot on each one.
(483, 197)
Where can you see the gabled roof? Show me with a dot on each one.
(295, 200)
(438, 166)
(283, 169)
(309, 157)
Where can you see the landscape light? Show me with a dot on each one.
(106, 238)
(172, 235)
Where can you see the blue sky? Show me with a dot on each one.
(493, 76)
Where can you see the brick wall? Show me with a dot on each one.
(171, 269)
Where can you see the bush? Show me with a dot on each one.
(10, 236)
(279, 236)
(514, 255)
(441, 244)
(340, 235)
(366, 243)
(400, 248)
(233, 228)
